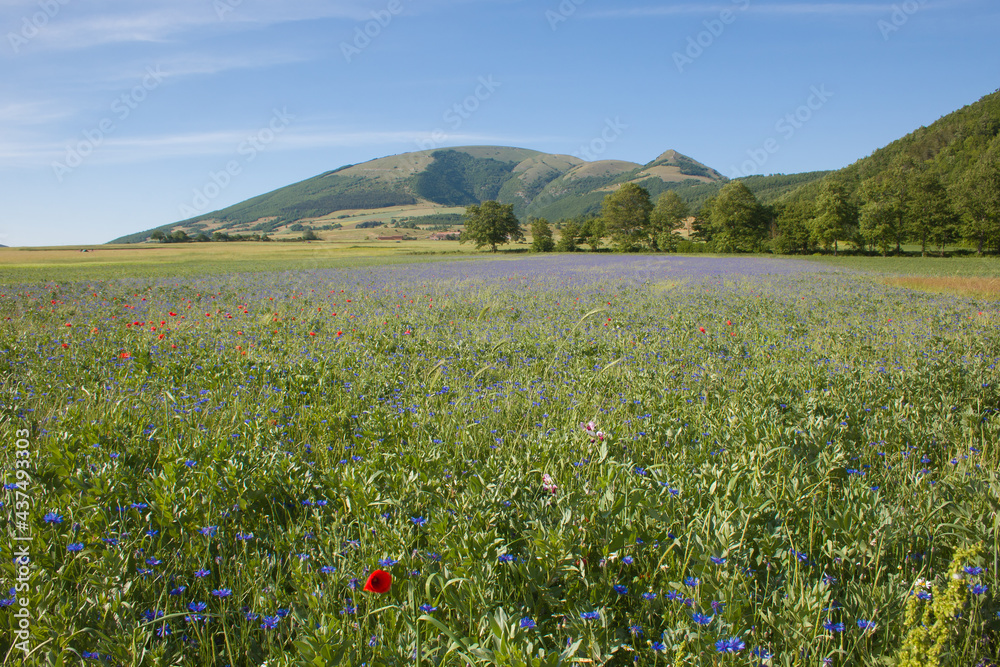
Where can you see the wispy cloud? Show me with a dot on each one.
(226, 143)
(777, 9)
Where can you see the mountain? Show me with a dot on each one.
(430, 182)
(949, 147)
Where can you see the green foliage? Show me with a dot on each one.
(626, 217)
(490, 224)
(836, 215)
(773, 464)
(541, 235)
(667, 217)
(737, 221)
(933, 627)
(794, 222)
(456, 178)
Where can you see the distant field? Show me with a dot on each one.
(107, 262)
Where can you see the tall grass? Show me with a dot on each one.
(605, 460)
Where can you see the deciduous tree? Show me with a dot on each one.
(626, 214)
(491, 223)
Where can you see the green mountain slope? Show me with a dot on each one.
(950, 146)
(534, 182)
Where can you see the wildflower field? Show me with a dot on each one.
(564, 460)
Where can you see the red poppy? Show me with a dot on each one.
(701, 329)
(379, 581)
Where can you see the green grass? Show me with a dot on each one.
(801, 449)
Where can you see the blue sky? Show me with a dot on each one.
(117, 116)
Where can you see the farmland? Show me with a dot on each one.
(600, 459)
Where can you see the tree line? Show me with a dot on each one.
(908, 202)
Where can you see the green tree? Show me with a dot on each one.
(835, 215)
(567, 236)
(159, 236)
(626, 214)
(794, 233)
(737, 220)
(930, 216)
(978, 193)
(883, 209)
(667, 217)
(592, 231)
(541, 235)
(491, 223)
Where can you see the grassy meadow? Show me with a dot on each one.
(569, 459)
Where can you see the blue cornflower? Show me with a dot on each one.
(763, 653)
(388, 562)
(973, 571)
(418, 520)
(635, 630)
(506, 558)
(10, 487)
(426, 608)
(527, 623)
(628, 560)
(924, 595)
(153, 561)
(244, 537)
(718, 560)
(222, 592)
(209, 531)
(52, 517)
(590, 615)
(197, 606)
(691, 582)
(178, 591)
(252, 616)
(659, 646)
(731, 645)
(75, 546)
(979, 589)
(649, 596)
(833, 627)
(373, 641)
(702, 619)
(620, 589)
(91, 655)
(270, 623)
(866, 624)
(190, 463)
(202, 573)
(327, 569)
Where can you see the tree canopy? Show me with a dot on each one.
(491, 223)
